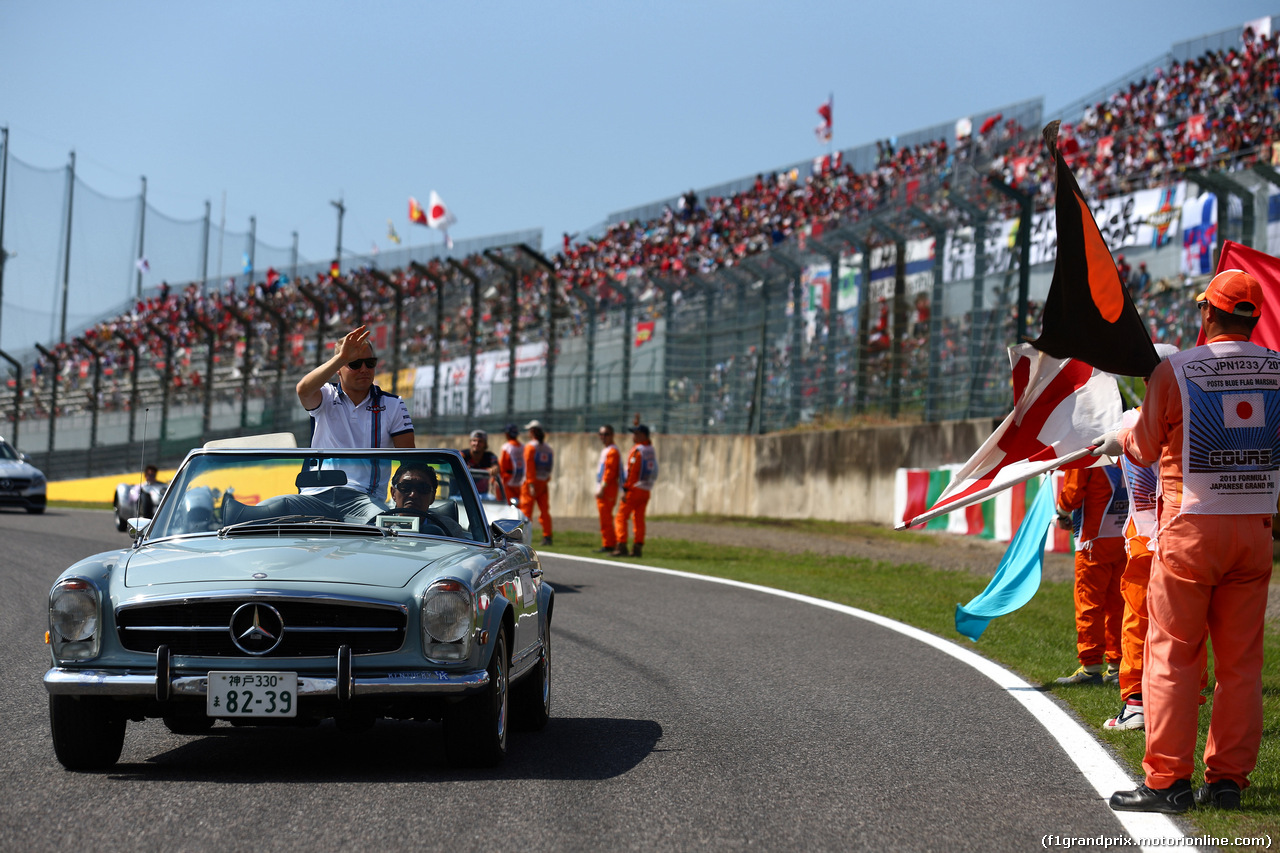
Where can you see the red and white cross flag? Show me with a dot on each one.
(1060, 406)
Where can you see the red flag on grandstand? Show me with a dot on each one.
(1266, 269)
(823, 131)
(1088, 314)
(1060, 406)
(1197, 129)
(644, 332)
(416, 213)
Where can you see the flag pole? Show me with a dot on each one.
(831, 105)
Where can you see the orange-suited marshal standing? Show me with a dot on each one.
(642, 473)
(539, 460)
(608, 471)
(1098, 504)
(1210, 419)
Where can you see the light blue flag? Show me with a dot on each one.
(1018, 576)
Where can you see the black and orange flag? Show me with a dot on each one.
(1088, 314)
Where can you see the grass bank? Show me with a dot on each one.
(1037, 642)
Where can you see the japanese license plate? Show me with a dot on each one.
(252, 694)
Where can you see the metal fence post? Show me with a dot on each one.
(93, 403)
(353, 294)
(168, 379)
(211, 338)
(1027, 207)
(795, 360)
(896, 362)
(498, 261)
(246, 363)
(17, 396)
(475, 338)
(398, 307)
(933, 392)
(552, 336)
(1223, 187)
(755, 420)
(321, 320)
(277, 401)
(978, 312)
(53, 400)
(438, 283)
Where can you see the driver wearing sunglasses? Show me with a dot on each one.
(413, 488)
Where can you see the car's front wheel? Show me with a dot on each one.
(475, 729)
(88, 733)
(531, 696)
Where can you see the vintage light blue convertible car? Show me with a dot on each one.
(279, 586)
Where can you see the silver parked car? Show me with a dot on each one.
(21, 483)
(496, 501)
(269, 589)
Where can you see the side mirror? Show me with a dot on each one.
(137, 527)
(24, 457)
(510, 529)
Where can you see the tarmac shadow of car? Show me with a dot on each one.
(569, 748)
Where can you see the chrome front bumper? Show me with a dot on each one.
(92, 682)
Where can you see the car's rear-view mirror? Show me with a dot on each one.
(323, 479)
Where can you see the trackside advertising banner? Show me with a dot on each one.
(1145, 218)
(492, 366)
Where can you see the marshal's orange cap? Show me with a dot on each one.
(1234, 291)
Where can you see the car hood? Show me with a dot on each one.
(365, 562)
(17, 468)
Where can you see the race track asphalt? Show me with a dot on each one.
(686, 715)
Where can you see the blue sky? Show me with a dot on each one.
(520, 115)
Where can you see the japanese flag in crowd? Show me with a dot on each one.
(823, 131)
(1060, 406)
(143, 265)
(440, 216)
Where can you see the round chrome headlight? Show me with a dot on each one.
(73, 610)
(447, 611)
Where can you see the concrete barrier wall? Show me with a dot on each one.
(835, 475)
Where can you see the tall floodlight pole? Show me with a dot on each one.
(342, 209)
(293, 267)
(142, 239)
(204, 251)
(4, 256)
(66, 253)
(253, 251)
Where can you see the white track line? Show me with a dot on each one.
(1095, 763)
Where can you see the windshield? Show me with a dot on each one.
(7, 450)
(413, 492)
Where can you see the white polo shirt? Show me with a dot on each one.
(336, 422)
